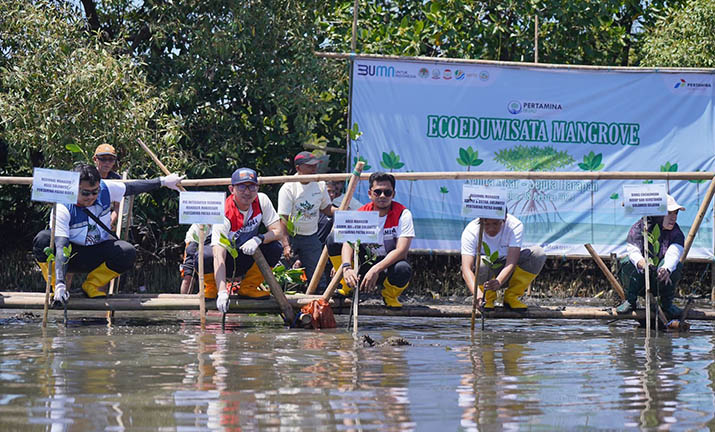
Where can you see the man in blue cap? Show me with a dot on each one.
(245, 211)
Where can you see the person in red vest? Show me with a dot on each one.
(245, 211)
(391, 270)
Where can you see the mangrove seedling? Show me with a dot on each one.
(592, 162)
(469, 157)
(355, 132)
(291, 221)
(491, 259)
(614, 197)
(444, 191)
(286, 276)
(230, 246)
(654, 246)
(391, 161)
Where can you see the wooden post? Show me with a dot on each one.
(202, 294)
(50, 273)
(356, 300)
(698, 219)
(647, 276)
(536, 37)
(354, 179)
(333, 285)
(609, 276)
(115, 282)
(476, 274)
(276, 289)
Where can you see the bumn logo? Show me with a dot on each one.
(372, 70)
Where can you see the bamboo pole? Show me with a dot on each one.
(325, 148)
(354, 178)
(50, 274)
(647, 276)
(356, 300)
(448, 175)
(476, 274)
(333, 285)
(519, 65)
(115, 282)
(698, 219)
(202, 287)
(276, 290)
(611, 279)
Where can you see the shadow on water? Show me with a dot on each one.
(160, 371)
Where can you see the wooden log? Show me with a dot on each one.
(611, 279)
(276, 289)
(354, 178)
(333, 285)
(188, 302)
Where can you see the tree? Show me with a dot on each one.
(683, 37)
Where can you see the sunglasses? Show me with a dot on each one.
(386, 192)
(85, 192)
(246, 187)
(106, 159)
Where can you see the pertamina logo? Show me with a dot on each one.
(514, 107)
(459, 75)
(691, 85)
(373, 70)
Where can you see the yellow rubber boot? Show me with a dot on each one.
(249, 284)
(344, 290)
(390, 293)
(44, 267)
(210, 289)
(518, 283)
(96, 279)
(489, 297)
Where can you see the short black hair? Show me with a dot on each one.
(88, 173)
(381, 177)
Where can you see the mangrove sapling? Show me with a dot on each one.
(491, 260)
(654, 246)
(291, 221)
(592, 162)
(230, 246)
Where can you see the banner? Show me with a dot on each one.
(429, 116)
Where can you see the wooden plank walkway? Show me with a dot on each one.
(178, 302)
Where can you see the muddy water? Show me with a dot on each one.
(160, 372)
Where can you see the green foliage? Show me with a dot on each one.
(469, 157)
(684, 36)
(533, 158)
(50, 255)
(491, 259)
(443, 189)
(286, 276)
(291, 221)
(359, 159)
(654, 246)
(614, 196)
(668, 167)
(591, 162)
(228, 245)
(391, 161)
(355, 132)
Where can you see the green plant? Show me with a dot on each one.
(614, 197)
(391, 161)
(654, 246)
(355, 132)
(286, 276)
(291, 221)
(491, 259)
(469, 157)
(444, 191)
(361, 159)
(231, 248)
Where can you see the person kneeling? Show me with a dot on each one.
(84, 227)
(664, 276)
(391, 270)
(244, 212)
(515, 268)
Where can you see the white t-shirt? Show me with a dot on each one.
(509, 236)
(309, 199)
(405, 228)
(354, 203)
(194, 231)
(268, 217)
(83, 230)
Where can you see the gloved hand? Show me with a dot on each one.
(250, 246)
(172, 181)
(61, 293)
(222, 301)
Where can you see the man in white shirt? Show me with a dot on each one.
(515, 268)
(391, 270)
(304, 201)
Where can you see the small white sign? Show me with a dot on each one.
(201, 207)
(55, 186)
(645, 200)
(351, 226)
(481, 201)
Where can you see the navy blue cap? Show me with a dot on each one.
(244, 175)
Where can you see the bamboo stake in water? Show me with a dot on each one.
(202, 296)
(356, 258)
(647, 277)
(115, 282)
(476, 277)
(50, 273)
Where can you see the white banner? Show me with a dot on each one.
(420, 116)
(57, 186)
(201, 207)
(351, 226)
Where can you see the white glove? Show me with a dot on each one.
(172, 181)
(222, 301)
(250, 246)
(61, 293)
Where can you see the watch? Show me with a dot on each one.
(262, 237)
(346, 265)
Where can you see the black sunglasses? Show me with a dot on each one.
(386, 192)
(85, 192)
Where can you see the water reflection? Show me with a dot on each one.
(258, 375)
